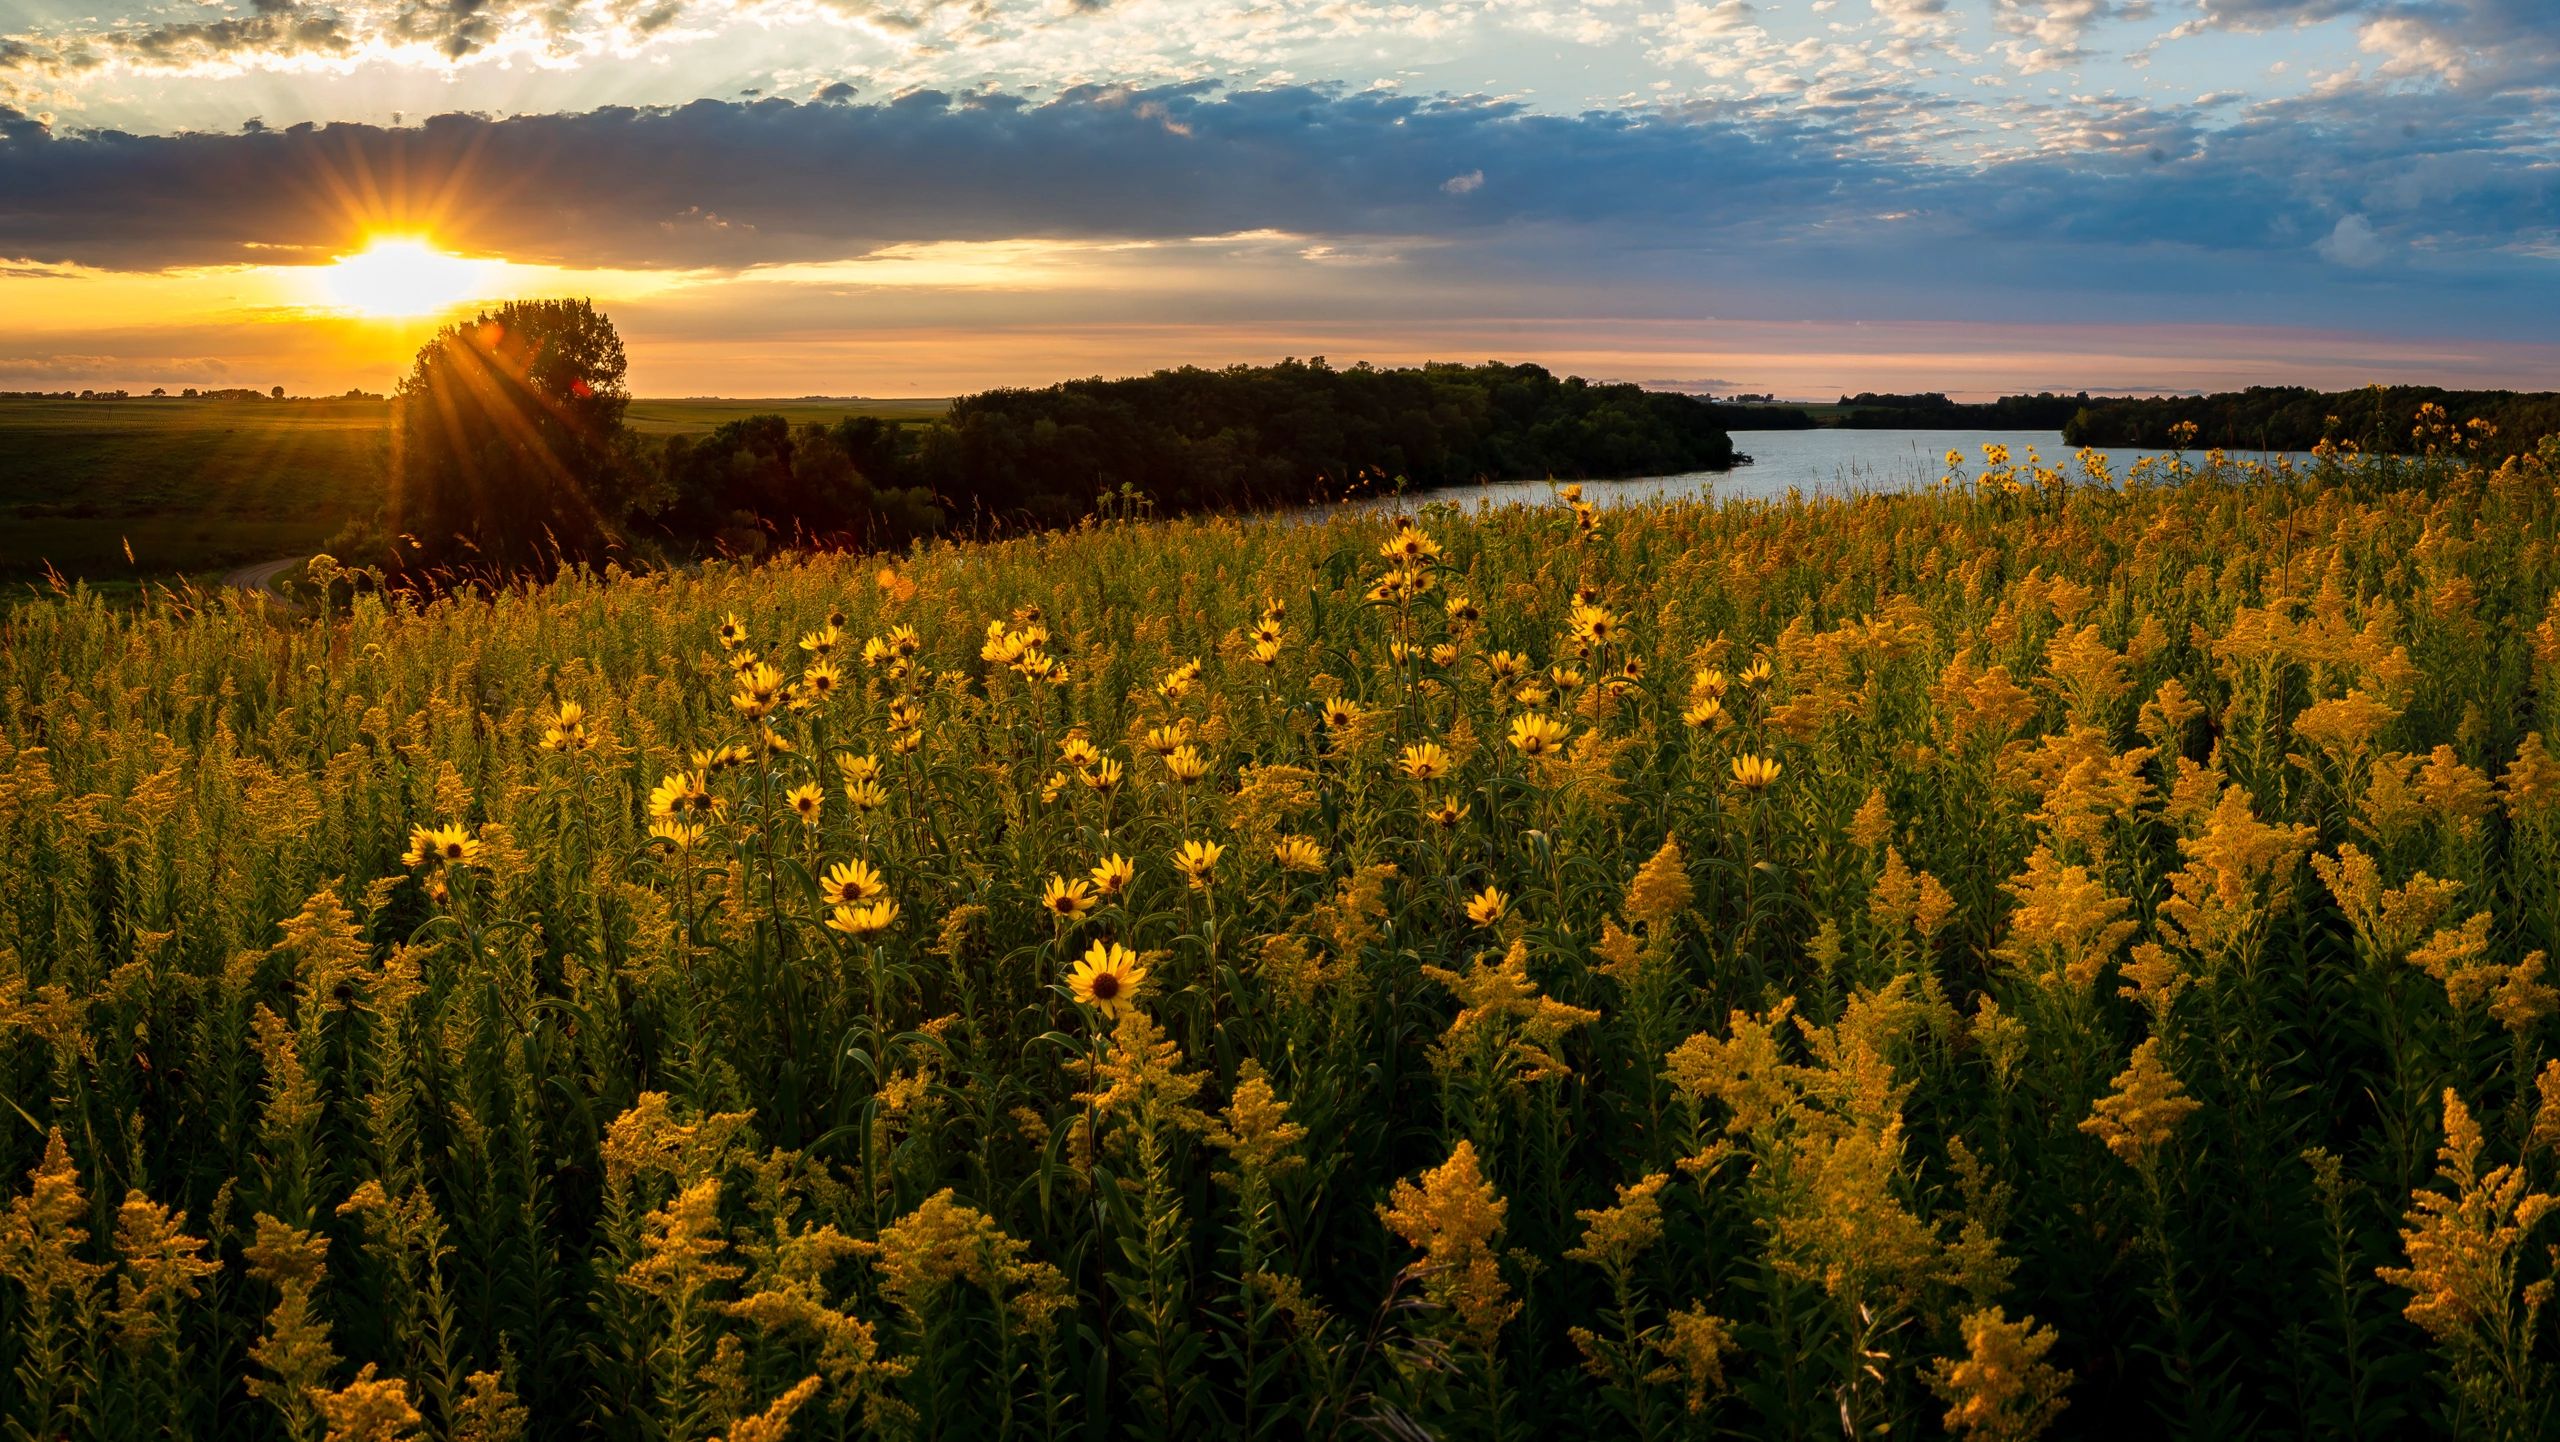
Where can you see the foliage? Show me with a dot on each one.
(1301, 431)
(507, 445)
(2296, 418)
(2001, 959)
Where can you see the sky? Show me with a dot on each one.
(922, 197)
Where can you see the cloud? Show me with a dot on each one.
(47, 371)
(2088, 206)
(2059, 28)
(788, 182)
(2353, 243)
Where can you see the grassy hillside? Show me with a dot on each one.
(1999, 961)
(202, 486)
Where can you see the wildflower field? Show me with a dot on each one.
(2016, 958)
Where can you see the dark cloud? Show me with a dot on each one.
(2293, 209)
(799, 182)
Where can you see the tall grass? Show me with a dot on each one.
(2019, 955)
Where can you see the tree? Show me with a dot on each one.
(508, 445)
(275, 393)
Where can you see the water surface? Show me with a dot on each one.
(1816, 462)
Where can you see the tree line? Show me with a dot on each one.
(2296, 418)
(510, 450)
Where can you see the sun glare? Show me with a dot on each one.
(401, 276)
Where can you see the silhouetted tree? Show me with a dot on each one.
(508, 445)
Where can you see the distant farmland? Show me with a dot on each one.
(196, 486)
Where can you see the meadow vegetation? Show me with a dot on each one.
(196, 487)
(2026, 956)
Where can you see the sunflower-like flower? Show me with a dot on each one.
(759, 687)
(1298, 853)
(1424, 761)
(905, 743)
(733, 632)
(1186, 765)
(823, 642)
(1755, 773)
(681, 794)
(682, 835)
(1462, 609)
(1592, 626)
(1266, 652)
(1108, 978)
(807, 799)
(1195, 859)
(1165, 740)
(1506, 665)
(1067, 899)
(1487, 907)
(1112, 874)
(869, 919)
(1536, 734)
(904, 641)
(712, 760)
(1408, 544)
(1447, 814)
(857, 768)
(1077, 751)
(1758, 673)
(1702, 711)
(821, 680)
(866, 796)
(1177, 682)
(1339, 712)
(442, 846)
(1104, 776)
(564, 728)
(850, 883)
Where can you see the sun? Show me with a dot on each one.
(401, 275)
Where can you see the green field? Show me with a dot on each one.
(194, 487)
(697, 414)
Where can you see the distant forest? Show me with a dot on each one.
(2273, 418)
(2295, 418)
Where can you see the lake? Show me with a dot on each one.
(1827, 462)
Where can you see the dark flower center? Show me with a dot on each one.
(1106, 986)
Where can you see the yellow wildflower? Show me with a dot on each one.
(849, 883)
(1107, 978)
(2145, 1109)
(1453, 1217)
(1112, 874)
(442, 846)
(806, 799)
(1195, 858)
(868, 919)
(1065, 899)
(1534, 734)
(1298, 853)
(1755, 773)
